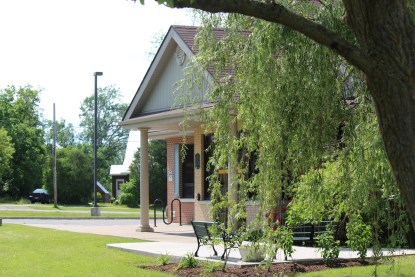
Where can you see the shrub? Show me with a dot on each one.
(283, 238)
(329, 247)
(129, 195)
(360, 236)
(188, 261)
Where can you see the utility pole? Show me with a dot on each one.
(55, 186)
(95, 209)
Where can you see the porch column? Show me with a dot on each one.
(233, 173)
(144, 182)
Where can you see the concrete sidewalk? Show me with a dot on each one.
(173, 240)
(177, 250)
(126, 228)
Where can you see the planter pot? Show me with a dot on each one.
(251, 253)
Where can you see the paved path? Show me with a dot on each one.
(173, 239)
(114, 227)
(30, 208)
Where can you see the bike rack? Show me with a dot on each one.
(171, 211)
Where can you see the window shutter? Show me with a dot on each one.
(176, 170)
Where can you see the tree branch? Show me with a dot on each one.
(277, 13)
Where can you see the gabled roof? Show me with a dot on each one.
(177, 36)
(154, 106)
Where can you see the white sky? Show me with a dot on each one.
(56, 46)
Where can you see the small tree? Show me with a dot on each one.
(75, 181)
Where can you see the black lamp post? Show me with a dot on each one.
(96, 74)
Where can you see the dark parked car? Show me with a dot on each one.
(39, 195)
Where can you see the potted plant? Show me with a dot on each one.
(251, 249)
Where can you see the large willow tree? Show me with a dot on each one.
(381, 45)
(307, 120)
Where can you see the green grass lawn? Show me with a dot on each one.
(72, 211)
(31, 251)
(401, 266)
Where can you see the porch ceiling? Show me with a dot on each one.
(166, 124)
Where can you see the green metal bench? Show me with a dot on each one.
(204, 237)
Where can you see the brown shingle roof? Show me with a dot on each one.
(188, 34)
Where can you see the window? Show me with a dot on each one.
(188, 173)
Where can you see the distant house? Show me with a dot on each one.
(153, 112)
(121, 173)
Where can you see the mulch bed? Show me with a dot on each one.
(275, 269)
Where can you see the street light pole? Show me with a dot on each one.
(95, 209)
(55, 186)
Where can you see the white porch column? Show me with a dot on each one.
(233, 173)
(144, 183)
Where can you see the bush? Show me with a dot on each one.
(130, 195)
(329, 247)
(283, 238)
(188, 261)
(360, 236)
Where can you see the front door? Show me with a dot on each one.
(188, 173)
